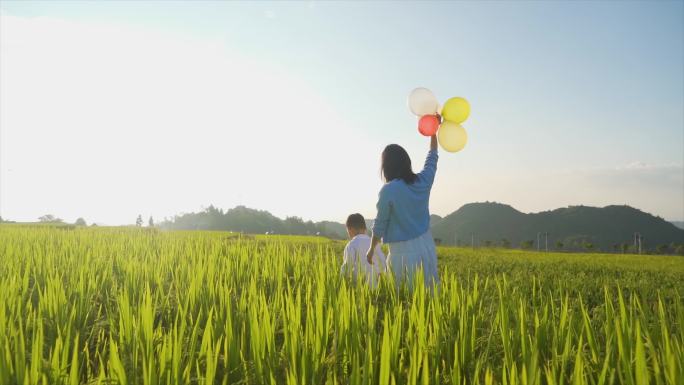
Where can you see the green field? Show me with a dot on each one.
(138, 306)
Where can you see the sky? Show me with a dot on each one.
(113, 109)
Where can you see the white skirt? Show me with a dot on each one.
(406, 257)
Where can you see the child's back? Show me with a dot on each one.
(355, 258)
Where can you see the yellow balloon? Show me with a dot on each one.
(456, 110)
(452, 136)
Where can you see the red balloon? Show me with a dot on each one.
(428, 124)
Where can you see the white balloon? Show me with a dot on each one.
(422, 101)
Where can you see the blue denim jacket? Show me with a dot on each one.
(403, 211)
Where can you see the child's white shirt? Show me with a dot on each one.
(355, 258)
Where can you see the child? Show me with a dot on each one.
(355, 251)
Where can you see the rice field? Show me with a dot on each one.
(138, 306)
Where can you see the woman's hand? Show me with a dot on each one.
(433, 138)
(375, 241)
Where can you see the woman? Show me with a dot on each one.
(403, 220)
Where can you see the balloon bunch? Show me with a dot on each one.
(451, 135)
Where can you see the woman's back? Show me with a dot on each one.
(403, 208)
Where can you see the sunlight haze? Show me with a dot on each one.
(113, 109)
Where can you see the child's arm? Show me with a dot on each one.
(346, 260)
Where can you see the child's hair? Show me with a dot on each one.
(396, 164)
(356, 221)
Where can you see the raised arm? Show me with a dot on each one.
(433, 138)
(430, 168)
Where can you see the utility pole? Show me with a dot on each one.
(637, 242)
(634, 241)
(538, 233)
(546, 241)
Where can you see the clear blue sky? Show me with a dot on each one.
(572, 102)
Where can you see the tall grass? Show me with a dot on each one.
(128, 306)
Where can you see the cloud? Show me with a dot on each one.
(639, 175)
(638, 165)
(270, 14)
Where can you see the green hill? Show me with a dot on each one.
(609, 228)
(576, 227)
(435, 219)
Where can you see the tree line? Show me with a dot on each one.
(243, 219)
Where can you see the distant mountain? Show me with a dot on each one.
(679, 224)
(435, 219)
(577, 227)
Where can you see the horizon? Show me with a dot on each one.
(108, 111)
(170, 219)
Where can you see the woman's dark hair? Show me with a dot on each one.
(396, 164)
(356, 221)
